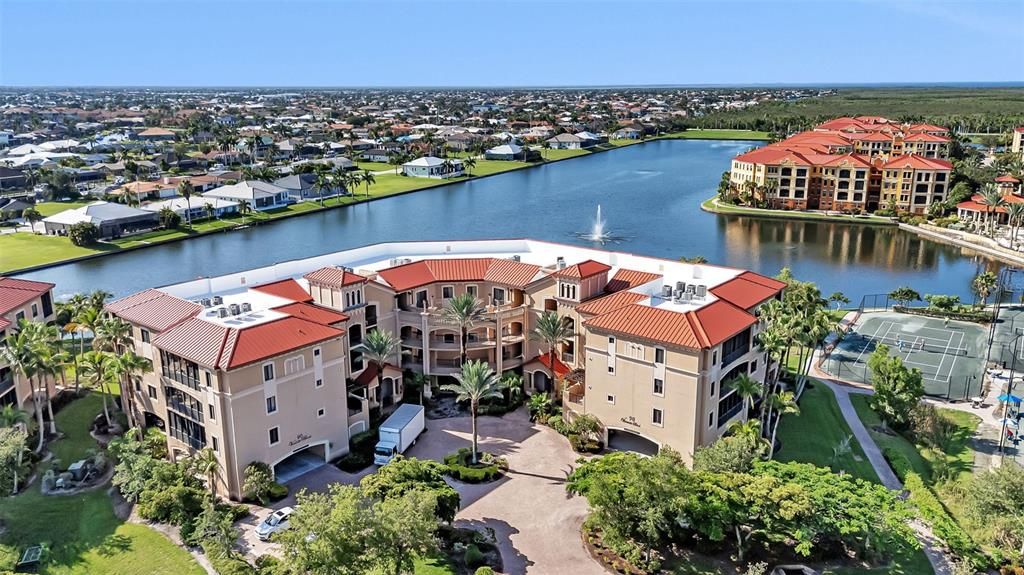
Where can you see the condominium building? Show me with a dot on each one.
(21, 300)
(1017, 143)
(266, 365)
(849, 165)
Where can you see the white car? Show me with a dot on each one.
(276, 521)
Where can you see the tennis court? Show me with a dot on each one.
(948, 355)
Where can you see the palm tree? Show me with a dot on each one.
(378, 346)
(747, 388)
(185, 190)
(464, 311)
(245, 209)
(992, 199)
(127, 368)
(984, 284)
(513, 384)
(210, 210)
(476, 382)
(343, 180)
(20, 353)
(469, 163)
(1016, 213)
(544, 146)
(205, 462)
(323, 182)
(97, 370)
(367, 179)
(552, 330)
(783, 403)
(750, 429)
(113, 335)
(74, 307)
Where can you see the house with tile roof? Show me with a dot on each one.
(21, 300)
(266, 364)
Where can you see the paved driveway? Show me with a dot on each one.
(536, 523)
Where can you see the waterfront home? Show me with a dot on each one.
(22, 300)
(149, 191)
(432, 167)
(303, 187)
(112, 219)
(196, 206)
(510, 151)
(975, 209)
(590, 139)
(258, 195)
(376, 155)
(565, 142)
(266, 364)
(627, 133)
(155, 135)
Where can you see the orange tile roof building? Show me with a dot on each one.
(851, 165)
(29, 301)
(266, 364)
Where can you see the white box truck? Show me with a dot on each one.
(398, 432)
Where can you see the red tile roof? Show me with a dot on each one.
(420, 273)
(609, 303)
(627, 279)
(918, 163)
(545, 359)
(370, 373)
(748, 289)
(334, 277)
(153, 309)
(313, 313)
(287, 289)
(1007, 179)
(17, 292)
(925, 137)
(702, 328)
(582, 270)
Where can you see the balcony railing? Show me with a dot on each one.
(734, 355)
(181, 377)
(184, 409)
(191, 441)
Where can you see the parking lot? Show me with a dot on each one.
(537, 524)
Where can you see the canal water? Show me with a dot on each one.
(650, 195)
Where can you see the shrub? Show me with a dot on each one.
(899, 463)
(930, 427)
(225, 562)
(258, 482)
(363, 442)
(83, 234)
(558, 424)
(354, 462)
(488, 469)
(540, 407)
(473, 557)
(176, 504)
(484, 571)
(278, 492)
(943, 525)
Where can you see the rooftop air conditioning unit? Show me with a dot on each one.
(246, 307)
(702, 291)
(207, 302)
(222, 312)
(396, 262)
(560, 263)
(690, 289)
(235, 310)
(680, 285)
(677, 296)
(666, 291)
(517, 258)
(217, 300)
(348, 269)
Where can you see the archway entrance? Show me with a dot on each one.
(622, 440)
(541, 382)
(300, 462)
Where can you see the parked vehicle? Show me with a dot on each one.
(275, 522)
(398, 432)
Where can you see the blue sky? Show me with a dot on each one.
(507, 43)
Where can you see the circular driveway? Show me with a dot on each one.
(536, 522)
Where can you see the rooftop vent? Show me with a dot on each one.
(207, 302)
(702, 291)
(560, 263)
(235, 310)
(666, 291)
(680, 285)
(222, 312)
(217, 300)
(246, 307)
(517, 258)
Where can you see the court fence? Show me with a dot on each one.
(957, 388)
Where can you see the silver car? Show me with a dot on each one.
(276, 521)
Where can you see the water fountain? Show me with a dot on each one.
(598, 233)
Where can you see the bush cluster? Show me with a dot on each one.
(360, 454)
(943, 525)
(460, 467)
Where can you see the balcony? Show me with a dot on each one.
(357, 406)
(446, 366)
(183, 409)
(189, 440)
(181, 377)
(413, 363)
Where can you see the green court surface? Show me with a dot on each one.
(949, 355)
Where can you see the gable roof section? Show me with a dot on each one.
(698, 329)
(745, 291)
(266, 340)
(609, 303)
(314, 313)
(334, 277)
(17, 292)
(153, 309)
(287, 289)
(195, 339)
(628, 279)
(420, 273)
(511, 272)
(583, 270)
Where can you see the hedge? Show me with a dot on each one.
(974, 316)
(943, 525)
(225, 562)
(459, 468)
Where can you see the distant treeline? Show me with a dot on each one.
(963, 110)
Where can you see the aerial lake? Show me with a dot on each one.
(650, 196)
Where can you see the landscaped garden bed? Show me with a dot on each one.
(488, 467)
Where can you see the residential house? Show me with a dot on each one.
(112, 219)
(195, 207)
(303, 187)
(21, 300)
(258, 195)
(432, 167)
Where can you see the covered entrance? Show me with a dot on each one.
(300, 463)
(622, 440)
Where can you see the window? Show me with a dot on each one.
(447, 292)
(275, 436)
(659, 355)
(20, 316)
(216, 446)
(499, 295)
(753, 366)
(319, 383)
(271, 404)
(209, 380)
(294, 365)
(320, 412)
(316, 352)
(711, 419)
(611, 399)
(145, 335)
(713, 385)
(35, 310)
(213, 415)
(658, 417)
(611, 369)
(152, 392)
(659, 387)
(471, 290)
(714, 357)
(268, 372)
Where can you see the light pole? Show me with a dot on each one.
(1004, 275)
(1009, 393)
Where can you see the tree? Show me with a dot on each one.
(20, 352)
(747, 388)
(128, 368)
(404, 474)
(993, 200)
(403, 528)
(257, 481)
(736, 453)
(782, 403)
(245, 209)
(97, 369)
(31, 216)
(206, 464)
(12, 451)
(997, 499)
(904, 295)
(327, 533)
(367, 179)
(378, 347)
(83, 233)
(169, 219)
(469, 163)
(476, 382)
(186, 190)
(984, 284)
(552, 330)
(839, 299)
(323, 182)
(209, 210)
(463, 311)
(1015, 212)
(897, 389)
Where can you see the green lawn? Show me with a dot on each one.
(810, 436)
(488, 167)
(697, 134)
(81, 532)
(22, 250)
(47, 209)
(375, 166)
(562, 154)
